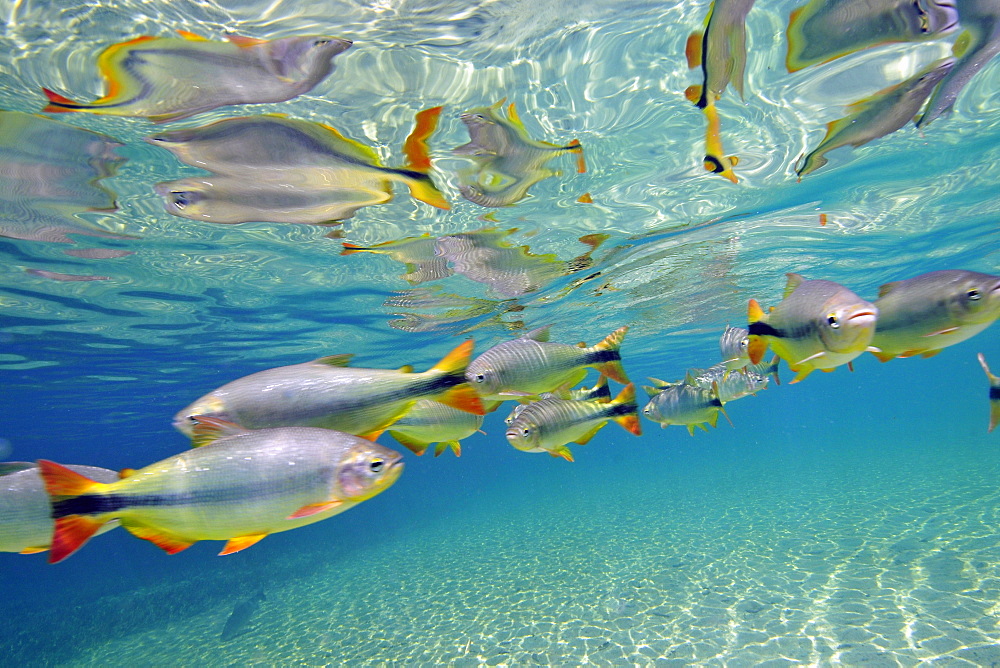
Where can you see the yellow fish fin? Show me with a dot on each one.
(124, 473)
(613, 369)
(886, 288)
(419, 160)
(245, 42)
(882, 357)
(194, 37)
(168, 543)
(583, 440)
(374, 434)
(457, 360)
(61, 481)
(690, 429)
(562, 451)
(112, 75)
(241, 543)
(314, 509)
(406, 368)
(693, 50)
(794, 281)
(337, 360)
(34, 550)
(800, 373)
(416, 447)
(930, 353)
(208, 430)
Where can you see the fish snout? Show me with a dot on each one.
(863, 317)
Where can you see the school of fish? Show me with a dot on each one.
(292, 445)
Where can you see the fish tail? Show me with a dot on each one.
(608, 355)
(772, 369)
(59, 104)
(576, 147)
(461, 396)
(73, 527)
(722, 409)
(625, 401)
(758, 345)
(350, 249)
(994, 394)
(419, 160)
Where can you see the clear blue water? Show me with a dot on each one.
(851, 518)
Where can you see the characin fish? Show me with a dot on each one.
(720, 50)
(508, 161)
(239, 619)
(733, 345)
(247, 485)
(430, 422)
(170, 78)
(683, 403)
(329, 394)
(531, 365)
(600, 392)
(276, 153)
(25, 512)
(818, 325)
(879, 115)
(754, 377)
(994, 394)
(978, 44)
(548, 424)
(824, 30)
(922, 315)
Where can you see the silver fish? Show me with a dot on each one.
(239, 619)
(994, 394)
(734, 347)
(682, 403)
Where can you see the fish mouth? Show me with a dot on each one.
(865, 313)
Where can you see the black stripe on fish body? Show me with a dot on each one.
(601, 356)
(90, 504)
(620, 409)
(717, 166)
(429, 386)
(994, 393)
(761, 328)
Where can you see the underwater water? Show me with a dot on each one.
(851, 518)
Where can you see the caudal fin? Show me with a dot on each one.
(758, 345)
(607, 356)
(994, 394)
(59, 104)
(71, 530)
(419, 159)
(626, 401)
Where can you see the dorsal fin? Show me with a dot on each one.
(794, 281)
(538, 334)
(336, 360)
(885, 289)
(208, 430)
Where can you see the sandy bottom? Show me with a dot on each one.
(848, 567)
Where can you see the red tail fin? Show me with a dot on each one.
(58, 104)
(70, 533)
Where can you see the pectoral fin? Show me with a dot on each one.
(241, 543)
(314, 509)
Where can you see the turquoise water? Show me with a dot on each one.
(850, 518)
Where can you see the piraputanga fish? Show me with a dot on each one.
(531, 364)
(978, 44)
(170, 78)
(329, 394)
(824, 30)
(600, 392)
(922, 315)
(508, 161)
(247, 485)
(994, 394)
(732, 386)
(25, 512)
(430, 422)
(883, 113)
(417, 254)
(238, 621)
(548, 424)
(317, 165)
(720, 50)
(733, 346)
(683, 403)
(818, 325)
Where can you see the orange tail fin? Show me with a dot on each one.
(70, 533)
(59, 104)
(456, 361)
(419, 159)
(61, 481)
(464, 398)
(613, 369)
(630, 421)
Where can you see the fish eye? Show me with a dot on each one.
(376, 465)
(833, 321)
(480, 378)
(744, 342)
(180, 199)
(973, 294)
(192, 418)
(645, 411)
(320, 42)
(525, 432)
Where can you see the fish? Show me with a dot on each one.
(416, 254)
(600, 392)
(683, 403)
(431, 422)
(719, 50)
(244, 486)
(239, 618)
(25, 512)
(530, 365)
(824, 30)
(818, 325)
(733, 345)
(994, 394)
(753, 378)
(277, 153)
(171, 78)
(879, 115)
(547, 425)
(978, 44)
(507, 161)
(330, 394)
(923, 314)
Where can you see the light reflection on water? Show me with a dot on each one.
(686, 249)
